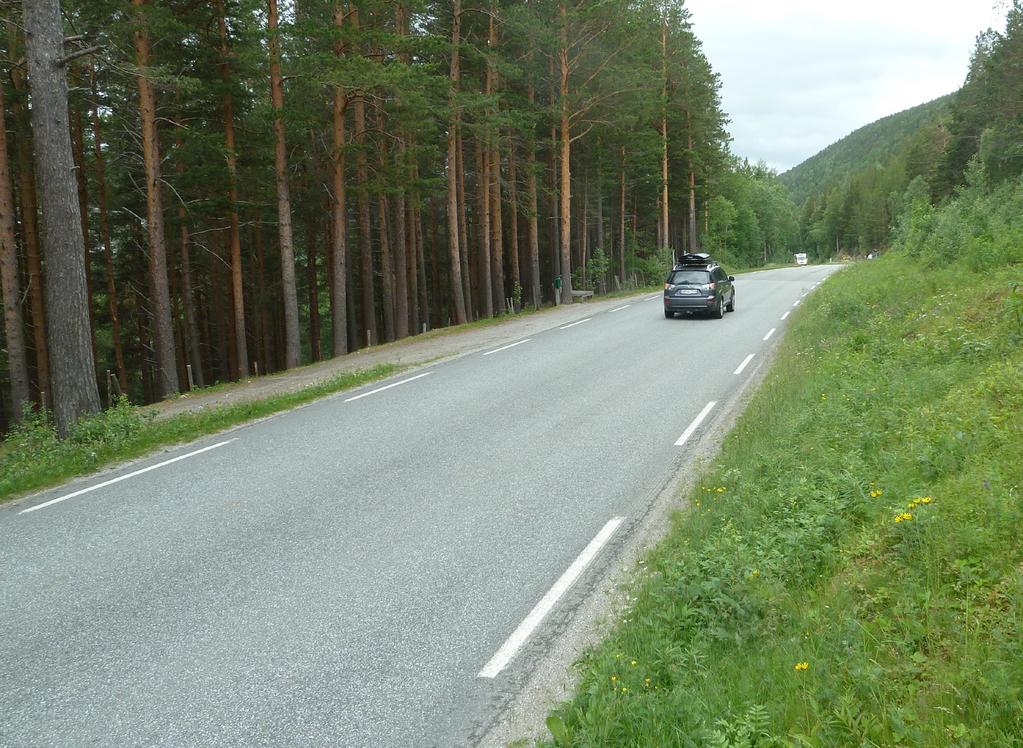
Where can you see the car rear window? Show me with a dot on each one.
(697, 277)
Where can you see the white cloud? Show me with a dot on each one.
(799, 75)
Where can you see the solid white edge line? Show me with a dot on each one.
(651, 298)
(575, 323)
(744, 364)
(784, 316)
(618, 309)
(498, 350)
(770, 333)
(696, 423)
(389, 386)
(525, 629)
(120, 478)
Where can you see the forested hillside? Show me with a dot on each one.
(262, 183)
(861, 149)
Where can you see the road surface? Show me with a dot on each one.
(372, 569)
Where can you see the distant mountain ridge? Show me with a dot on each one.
(870, 144)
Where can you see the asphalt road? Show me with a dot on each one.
(347, 573)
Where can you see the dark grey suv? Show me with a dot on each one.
(698, 284)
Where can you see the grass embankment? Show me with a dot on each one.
(850, 570)
(32, 457)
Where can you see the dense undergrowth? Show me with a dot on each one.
(850, 569)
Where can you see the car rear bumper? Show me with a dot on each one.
(689, 303)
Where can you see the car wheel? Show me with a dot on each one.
(731, 304)
(669, 314)
(719, 310)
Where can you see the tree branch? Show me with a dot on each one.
(80, 53)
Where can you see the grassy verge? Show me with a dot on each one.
(32, 457)
(850, 570)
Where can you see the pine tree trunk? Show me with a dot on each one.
(237, 288)
(493, 155)
(621, 224)
(663, 240)
(483, 208)
(163, 331)
(339, 232)
(108, 251)
(465, 247)
(424, 297)
(455, 249)
(400, 248)
(513, 204)
(694, 240)
(369, 318)
(78, 154)
(288, 287)
(536, 296)
(312, 211)
(566, 167)
(193, 345)
(413, 263)
(30, 225)
(75, 393)
(14, 324)
(496, 230)
(398, 245)
(386, 270)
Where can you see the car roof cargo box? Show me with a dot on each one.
(694, 258)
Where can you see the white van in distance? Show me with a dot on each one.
(801, 258)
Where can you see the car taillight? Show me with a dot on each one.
(667, 286)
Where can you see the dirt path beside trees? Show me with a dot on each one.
(416, 351)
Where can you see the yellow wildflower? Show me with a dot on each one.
(801, 666)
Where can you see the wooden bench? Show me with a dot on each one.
(581, 295)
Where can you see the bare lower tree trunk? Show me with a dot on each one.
(400, 247)
(483, 207)
(108, 251)
(14, 324)
(694, 240)
(534, 229)
(621, 225)
(30, 226)
(413, 262)
(369, 316)
(465, 248)
(163, 331)
(288, 288)
(513, 204)
(237, 288)
(78, 155)
(75, 393)
(496, 229)
(385, 265)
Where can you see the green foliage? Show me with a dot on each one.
(978, 228)
(848, 569)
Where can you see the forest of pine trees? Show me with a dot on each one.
(248, 185)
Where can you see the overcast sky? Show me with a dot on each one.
(797, 75)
